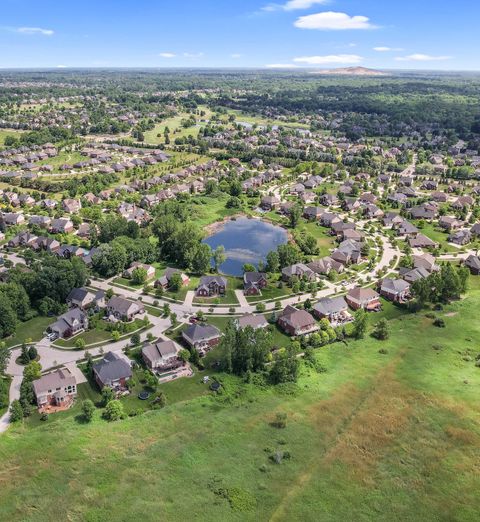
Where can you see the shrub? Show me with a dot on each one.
(280, 420)
(114, 411)
(440, 323)
(88, 408)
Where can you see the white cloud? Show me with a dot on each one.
(236, 55)
(192, 55)
(34, 30)
(167, 55)
(383, 49)
(331, 58)
(281, 66)
(293, 5)
(61, 66)
(331, 21)
(418, 57)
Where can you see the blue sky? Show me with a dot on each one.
(408, 34)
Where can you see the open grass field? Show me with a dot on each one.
(8, 132)
(377, 437)
(33, 329)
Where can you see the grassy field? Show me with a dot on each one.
(377, 437)
(32, 329)
(325, 241)
(8, 132)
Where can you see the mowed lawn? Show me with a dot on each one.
(389, 436)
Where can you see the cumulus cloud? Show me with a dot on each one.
(419, 57)
(332, 21)
(167, 55)
(34, 30)
(236, 55)
(293, 5)
(192, 55)
(329, 59)
(384, 49)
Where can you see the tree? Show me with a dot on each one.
(294, 215)
(32, 353)
(218, 256)
(32, 371)
(166, 310)
(201, 259)
(381, 330)
(184, 355)
(248, 267)
(175, 282)
(16, 411)
(135, 339)
(24, 357)
(8, 317)
(115, 335)
(108, 395)
(173, 319)
(139, 275)
(360, 324)
(150, 380)
(114, 410)
(80, 343)
(285, 366)
(273, 262)
(88, 409)
(4, 356)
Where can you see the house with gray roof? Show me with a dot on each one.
(70, 323)
(162, 355)
(202, 337)
(335, 309)
(112, 371)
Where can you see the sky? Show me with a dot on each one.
(384, 34)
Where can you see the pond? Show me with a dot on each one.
(246, 241)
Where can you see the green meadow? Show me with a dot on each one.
(388, 431)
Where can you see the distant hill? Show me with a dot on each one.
(351, 71)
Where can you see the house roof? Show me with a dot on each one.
(159, 350)
(362, 294)
(201, 332)
(111, 368)
(330, 305)
(297, 318)
(394, 285)
(51, 381)
(255, 321)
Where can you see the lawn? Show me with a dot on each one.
(32, 329)
(376, 437)
(96, 335)
(233, 283)
(438, 235)
(325, 240)
(8, 132)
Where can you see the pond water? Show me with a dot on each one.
(246, 241)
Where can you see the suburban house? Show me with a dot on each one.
(164, 280)
(55, 389)
(298, 270)
(269, 202)
(396, 290)
(61, 226)
(112, 371)
(365, 298)
(211, 285)
(297, 322)
(71, 205)
(335, 309)
(473, 264)
(202, 337)
(426, 261)
(253, 282)
(161, 355)
(254, 321)
(128, 273)
(123, 309)
(460, 237)
(70, 323)
(325, 264)
(421, 241)
(83, 298)
(414, 274)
